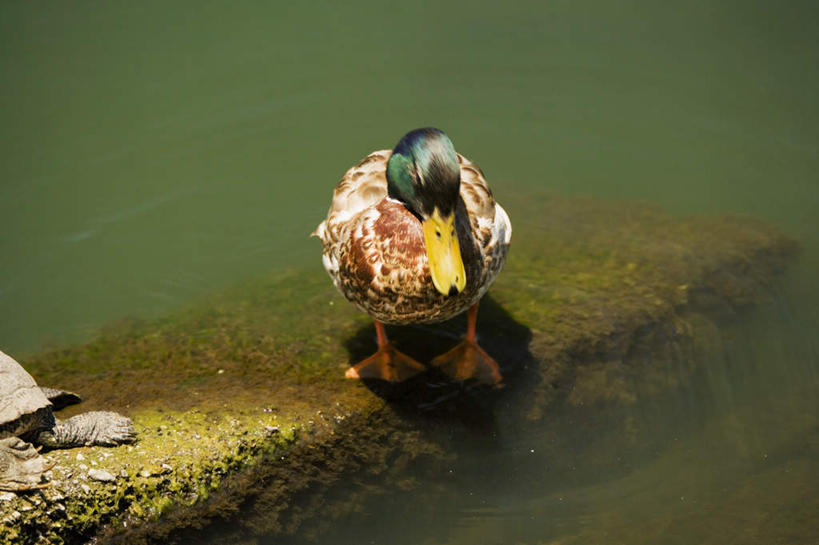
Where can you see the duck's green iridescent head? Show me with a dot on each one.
(423, 173)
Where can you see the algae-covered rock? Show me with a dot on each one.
(241, 406)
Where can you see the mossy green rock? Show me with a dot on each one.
(241, 406)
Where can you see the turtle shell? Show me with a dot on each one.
(21, 401)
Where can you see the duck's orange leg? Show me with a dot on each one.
(468, 360)
(387, 363)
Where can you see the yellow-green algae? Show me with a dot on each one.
(240, 403)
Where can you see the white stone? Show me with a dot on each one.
(102, 475)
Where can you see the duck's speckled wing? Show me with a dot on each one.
(361, 188)
(374, 249)
(490, 224)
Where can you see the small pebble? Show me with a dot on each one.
(101, 475)
(85, 488)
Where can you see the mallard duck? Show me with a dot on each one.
(414, 235)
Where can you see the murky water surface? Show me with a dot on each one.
(151, 152)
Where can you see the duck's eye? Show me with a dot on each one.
(438, 233)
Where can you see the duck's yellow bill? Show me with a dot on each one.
(444, 253)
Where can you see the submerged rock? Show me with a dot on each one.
(241, 400)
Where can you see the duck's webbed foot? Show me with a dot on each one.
(468, 361)
(386, 364)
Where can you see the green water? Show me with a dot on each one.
(151, 152)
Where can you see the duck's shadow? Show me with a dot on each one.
(506, 340)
